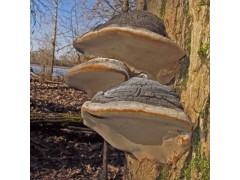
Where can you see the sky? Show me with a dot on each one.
(72, 13)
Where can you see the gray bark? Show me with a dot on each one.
(140, 90)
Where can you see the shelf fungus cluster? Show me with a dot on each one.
(142, 117)
(139, 39)
(96, 75)
(137, 114)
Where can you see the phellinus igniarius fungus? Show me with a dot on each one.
(137, 38)
(142, 117)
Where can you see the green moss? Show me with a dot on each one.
(73, 116)
(186, 171)
(201, 114)
(188, 44)
(163, 173)
(56, 117)
(203, 165)
(200, 162)
(181, 77)
(181, 84)
(191, 161)
(204, 3)
(196, 161)
(203, 53)
(187, 33)
(186, 8)
(163, 9)
(205, 114)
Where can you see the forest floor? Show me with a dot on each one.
(61, 146)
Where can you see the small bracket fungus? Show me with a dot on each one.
(137, 38)
(97, 75)
(143, 117)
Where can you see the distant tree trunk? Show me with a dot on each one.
(115, 6)
(125, 7)
(54, 36)
(141, 4)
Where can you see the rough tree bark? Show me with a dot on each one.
(187, 23)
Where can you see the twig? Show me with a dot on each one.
(81, 129)
(39, 144)
(53, 82)
(105, 160)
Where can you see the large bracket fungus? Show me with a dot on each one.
(96, 75)
(139, 116)
(142, 117)
(137, 38)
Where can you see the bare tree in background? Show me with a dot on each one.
(64, 24)
(54, 36)
(125, 6)
(62, 21)
(141, 4)
(39, 9)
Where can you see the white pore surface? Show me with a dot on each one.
(145, 135)
(146, 51)
(96, 75)
(93, 81)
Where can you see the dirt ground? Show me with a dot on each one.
(59, 152)
(63, 153)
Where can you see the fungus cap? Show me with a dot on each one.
(96, 75)
(152, 126)
(137, 38)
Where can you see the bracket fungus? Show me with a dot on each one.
(142, 117)
(137, 38)
(96, 75)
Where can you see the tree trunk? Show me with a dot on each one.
(54, 36)
(141, 170)
(125, 7)
(187, 23)
(141, 5)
